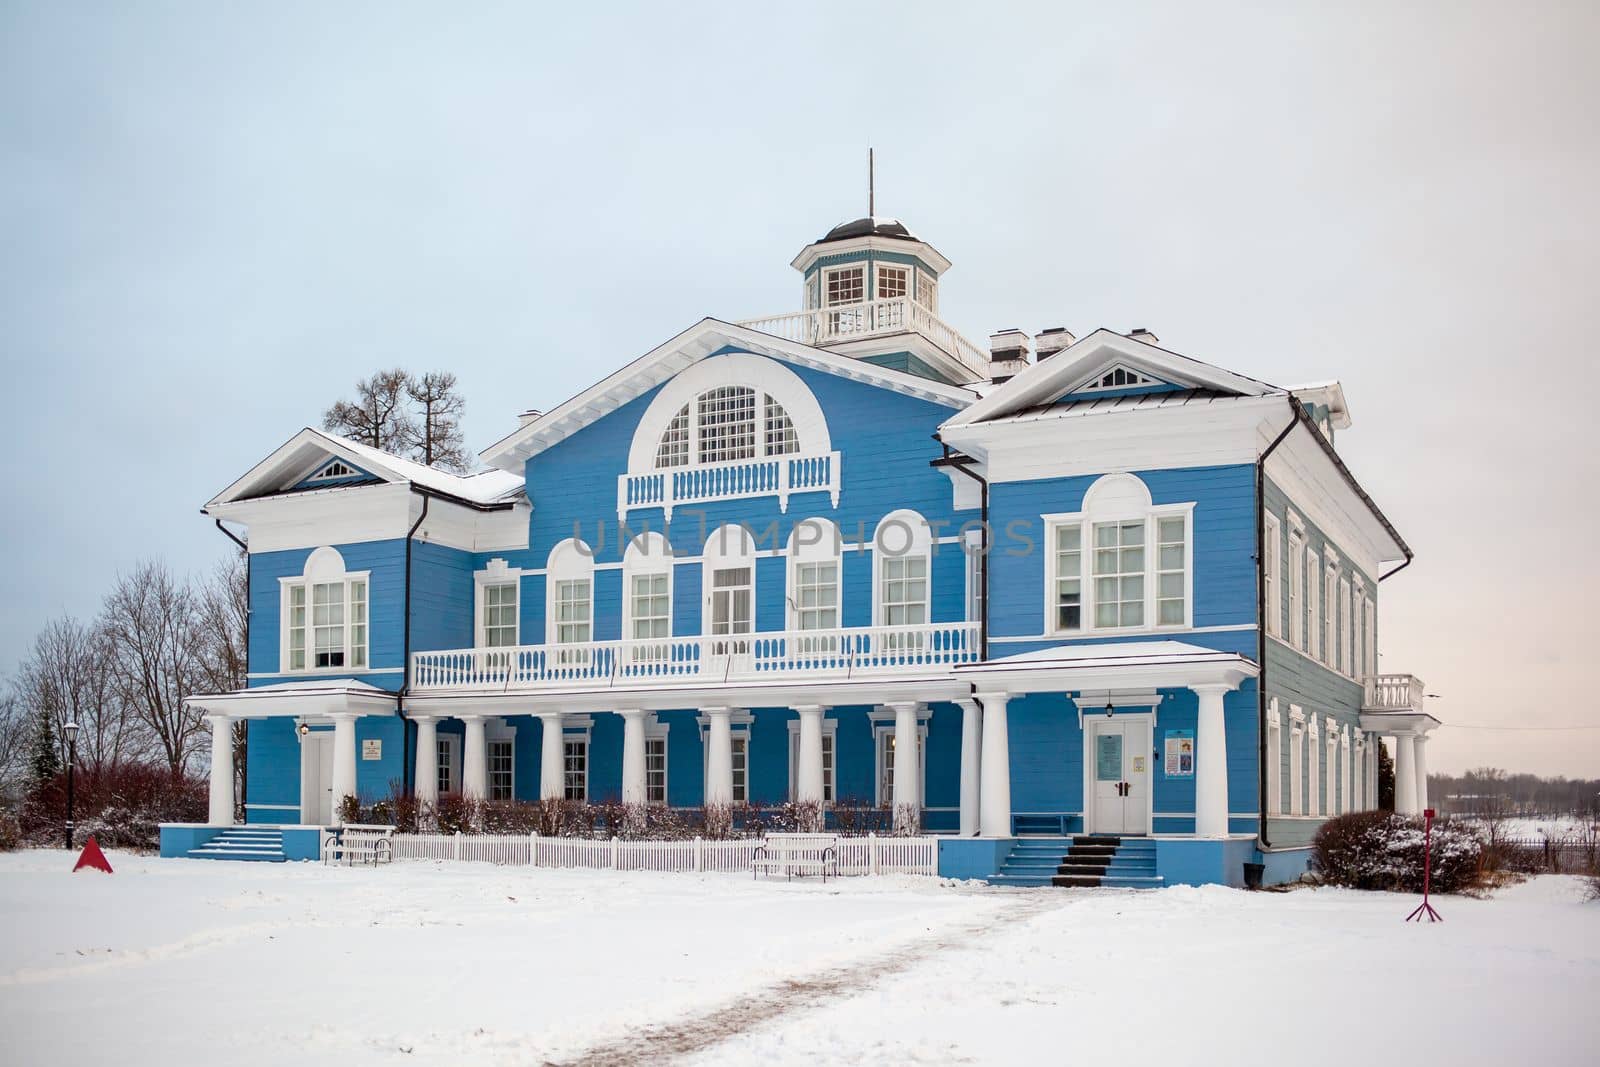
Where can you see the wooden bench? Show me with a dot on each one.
(791, 854)
(355, 843)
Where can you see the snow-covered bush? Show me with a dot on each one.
(10, 832)
(122, 805)
(1381, 850)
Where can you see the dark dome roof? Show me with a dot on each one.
(869, 227)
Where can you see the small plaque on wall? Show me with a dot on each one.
(372, 748)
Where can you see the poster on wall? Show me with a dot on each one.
(372, 748)
(1179, 761)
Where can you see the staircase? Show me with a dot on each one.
(257, 843)
(1082, 861)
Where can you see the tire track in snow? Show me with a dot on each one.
(667, 1042)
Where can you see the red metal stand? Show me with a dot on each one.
(1427, 872)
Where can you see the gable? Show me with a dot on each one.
(1119, 379)
(334, 471)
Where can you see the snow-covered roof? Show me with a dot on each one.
(288, 464)
(303, 699)
(1109, 665)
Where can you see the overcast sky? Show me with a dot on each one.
(215, 218)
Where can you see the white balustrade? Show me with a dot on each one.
(778, 476)
(824, 326)
(1394, 692)
(854, 652)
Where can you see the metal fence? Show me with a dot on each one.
(857, 855)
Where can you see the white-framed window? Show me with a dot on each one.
(727, 424)
(905, 590)
(927, 290)
(845, 285)
(1274, 751)
(1270, 564)
(884, 747)
(894, 280)
(448, 774)
(647, 596)
(574, 610)
(901, 548)
(499, 614)
(502, 768)
(814, 576)
(1346, 622)
(1313, 760)
(740, 744)
(1297, 759)
(575, 768)
(1346, 775)
(1372, 636)
(976, 562)
(655, 768)
(1297, 577)
(1330, 612)
(1330, 776)
(325, 612)
(813, 292)
(1138, 556)
(729, 566)
(1313, 607)
(829, 743)
(569, 607)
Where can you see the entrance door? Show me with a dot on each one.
(1119, 775)
(316, 778)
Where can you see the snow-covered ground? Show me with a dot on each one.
(182, 961)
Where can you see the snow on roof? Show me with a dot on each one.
(1100, 653)
(484, 487)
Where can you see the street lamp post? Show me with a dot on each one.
(71, 730)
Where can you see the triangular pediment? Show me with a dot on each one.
(1120, 378)
(705, 339)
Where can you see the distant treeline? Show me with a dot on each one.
(1493, 792)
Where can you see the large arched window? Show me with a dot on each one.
(569, 599)
(725, 424)
(901, 549)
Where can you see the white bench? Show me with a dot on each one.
(355, 843)
(791, 854)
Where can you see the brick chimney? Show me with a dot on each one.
(1051, 341)
(1008, 354)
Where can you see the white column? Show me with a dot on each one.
(221, 770)
(427, 783)
(971, 743)
(1421, 771)
(1374, 742)
(808, 772)
(1405, 777)
(907, 779)
(994, 804)
(719, 761)
(552, 758)
(1211, 764)
(344, 760)
(475, 759)
(633, 785)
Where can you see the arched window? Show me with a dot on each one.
(725, 424)
(647, 595)
(900, 566)
(730, 584)
(569, 599)
(814, 581)
(324, 616)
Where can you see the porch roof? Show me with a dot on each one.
(311, 697)
(1109, 666)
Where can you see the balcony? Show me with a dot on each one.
(874, 652)
(822, 327)
(1394, 692)
(768, 476)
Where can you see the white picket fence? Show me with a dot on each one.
(857, 855)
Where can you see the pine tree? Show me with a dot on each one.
(44, 763)
(1385, 779)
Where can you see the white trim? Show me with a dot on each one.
(648, 554)
(495, 572)
(451, 743)
(1272, 572)
(826, 547)
(1274, 749)
(886, 546)
(998, 639)
(740, 720)
(324, 566)
(830, 768)
(571, 560)
(1089, 731)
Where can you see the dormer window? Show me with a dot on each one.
(727, 424)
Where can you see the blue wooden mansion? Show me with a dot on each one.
(1062, 586)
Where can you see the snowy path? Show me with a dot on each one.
(179, 962)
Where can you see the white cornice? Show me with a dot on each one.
(916, 249)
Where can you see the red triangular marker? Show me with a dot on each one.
(92, 857)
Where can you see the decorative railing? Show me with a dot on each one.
(821, 327)
(776, 476)
(1394, 692)
(866, 651)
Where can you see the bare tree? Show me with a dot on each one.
(439, 442)
(223, 612)
(68, 676)
(14, 738)
(153, 623)
(378, 417)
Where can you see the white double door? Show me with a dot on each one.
(1118, 758)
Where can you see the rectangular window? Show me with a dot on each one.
(358, 623)
(330, 618)
(297, 627)
(1345, 617)
(572, 611)
(893, 282)
(1269, 570)
(1313, 609)
(905, 590)
(846, 285)
(655, 770)
(446, 777)
(1297, 575)
(1119, 574)
(741, 768)
(816, 596)
(1297, 758)
(886, 749)
(731, 603)
(327, 623)
(727, 417)
(1313, 786)
(1171, 582)
(1372, 636)
(651, 607)
(1274, 758)
(1330, 614)
(500, 615)
(501, 766)
(575, 767)
(927, 291)
(827, 765)
(1069, 577)
(976, 562)
(1330, 776)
